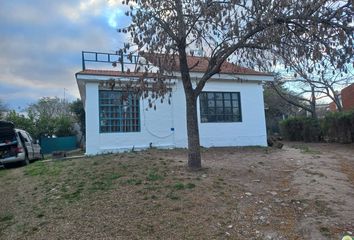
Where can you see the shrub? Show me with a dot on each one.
(311, 130)
(335, 127)
(301, 129)
(291, 129)
(339, 127)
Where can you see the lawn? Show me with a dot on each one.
(241, 193)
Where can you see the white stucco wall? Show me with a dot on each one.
(166, 127)
(156, 127)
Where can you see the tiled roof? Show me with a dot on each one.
(197, 64)
(112, 73)
(200, 64)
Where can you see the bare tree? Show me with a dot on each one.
(49, 107)
(241, 31)
(317, 79)
(295, 99)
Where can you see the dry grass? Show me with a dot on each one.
(151, 195)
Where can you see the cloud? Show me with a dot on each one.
(41, 44)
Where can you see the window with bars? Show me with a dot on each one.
(119, 111)
(220, 107)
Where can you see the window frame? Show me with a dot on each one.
(224, 115)
(119, 119)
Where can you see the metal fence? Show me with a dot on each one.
(49, 145)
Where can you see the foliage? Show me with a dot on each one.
(77, 108)
(64, 126)
(335, 127)
(247, 32)
(311, 131)
(339, 127)
(49, 107)
(291, 129)
(47, 117)
(45, 126)
(276, 107)
(22, 122)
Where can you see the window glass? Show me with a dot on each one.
(119, 111)
(220, 107)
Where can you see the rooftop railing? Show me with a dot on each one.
(119, 60)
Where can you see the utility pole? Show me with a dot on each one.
(64, 94)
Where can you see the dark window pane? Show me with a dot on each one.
(211, 103)
(235, 103)
(211, 96)
(220, 118)
(234, 96)
(227, 111)
(218, 96)
(219, 107)
(236, 118)
(118, 111)
(211, 111)
(219, 103)
(227, 96)
(219, 111)
(212, 118)
(228, 118)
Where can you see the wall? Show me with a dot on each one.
(348, 98)
(166, 127)
(156, 127)
(250, 132)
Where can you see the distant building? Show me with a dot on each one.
(347, 99)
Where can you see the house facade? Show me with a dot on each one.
(346, 97)
(230, 111)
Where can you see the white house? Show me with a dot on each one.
(230, 110)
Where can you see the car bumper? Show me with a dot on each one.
(19, 158)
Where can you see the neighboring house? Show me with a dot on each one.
(347, 98)
(230, 109)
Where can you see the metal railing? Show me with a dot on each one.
(115, 59)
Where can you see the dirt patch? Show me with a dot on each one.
(241, 193)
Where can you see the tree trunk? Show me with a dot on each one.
(313, 103)
(194, 158)
(338, 102)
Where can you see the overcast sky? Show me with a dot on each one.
(41, 43)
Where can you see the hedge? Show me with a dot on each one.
(334, 127)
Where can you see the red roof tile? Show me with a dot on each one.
(197, 64)
(112, 73)
(200, 64)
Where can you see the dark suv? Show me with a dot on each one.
(16, 145)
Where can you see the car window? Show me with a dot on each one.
(22, 137)
(29, 137)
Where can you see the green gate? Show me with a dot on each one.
(49, 145)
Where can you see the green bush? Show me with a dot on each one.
(335, 127)
(291, 129)
(301, 129)
(339, 127)
(311, 130)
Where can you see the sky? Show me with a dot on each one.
(41, 43)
